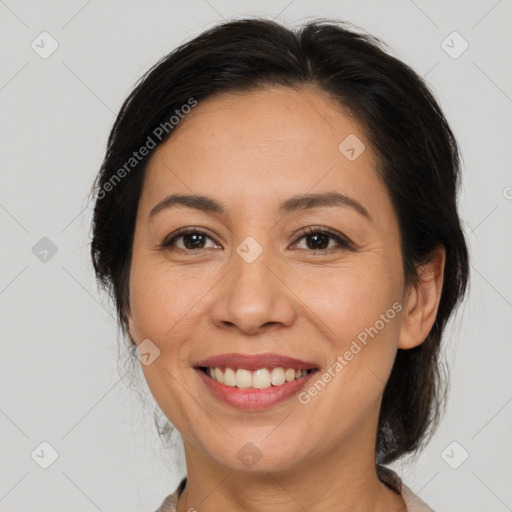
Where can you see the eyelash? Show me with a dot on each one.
(343, 242)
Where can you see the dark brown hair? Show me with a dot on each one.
(418, 157)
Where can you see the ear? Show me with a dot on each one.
(130, 327)
(422, 301)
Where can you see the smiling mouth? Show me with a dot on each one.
(262, 378)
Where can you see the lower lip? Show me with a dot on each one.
(251, 398)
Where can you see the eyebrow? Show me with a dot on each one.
(293, 204)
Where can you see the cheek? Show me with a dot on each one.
(358, 314)
(161, 300)
(164, 308)
(350, 299)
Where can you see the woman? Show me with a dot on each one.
(276, 221)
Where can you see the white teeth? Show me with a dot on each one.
(243, 378)
(260, 379)
(229, 377)
(219, 377)
(290, 374)
(277, 377)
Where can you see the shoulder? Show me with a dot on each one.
(414, 504)
(170, 503)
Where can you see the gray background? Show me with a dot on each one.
(60, 380)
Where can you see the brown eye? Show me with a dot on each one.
(188, 240)
(319, 239)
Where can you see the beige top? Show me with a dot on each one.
(414, 504)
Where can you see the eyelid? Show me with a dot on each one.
(186, 231)
(342, 240)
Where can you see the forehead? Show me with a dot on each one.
(263, 146)
(269, 119)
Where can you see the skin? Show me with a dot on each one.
(252, 151)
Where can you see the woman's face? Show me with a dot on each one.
(248, 281)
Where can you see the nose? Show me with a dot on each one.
(253, 296)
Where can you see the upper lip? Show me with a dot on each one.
(255, 361)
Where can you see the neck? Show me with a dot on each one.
(341, 477)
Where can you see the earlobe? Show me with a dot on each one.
(422, 301)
